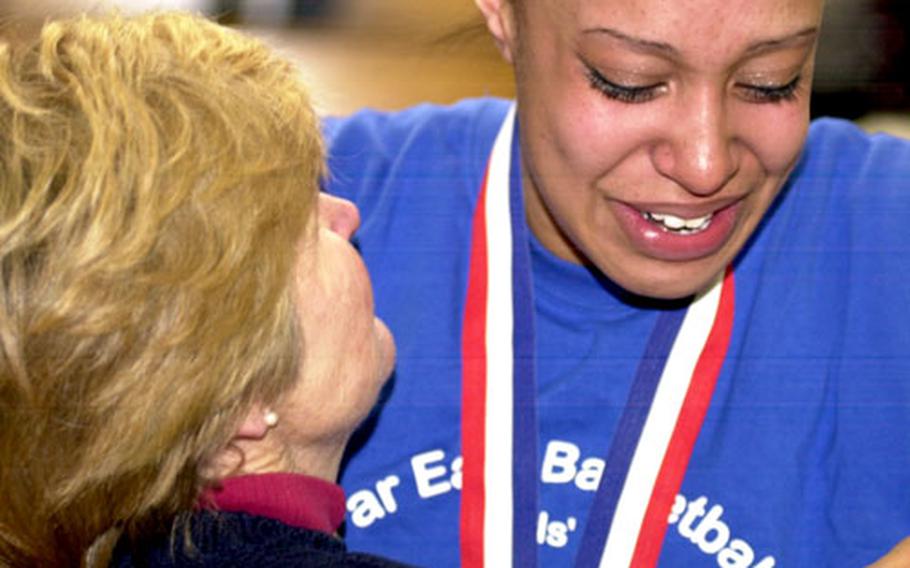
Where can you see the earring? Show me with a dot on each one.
(270, 418)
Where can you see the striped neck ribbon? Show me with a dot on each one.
(657, 430)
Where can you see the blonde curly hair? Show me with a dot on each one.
(156, 175)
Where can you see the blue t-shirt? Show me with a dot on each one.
(804, 456)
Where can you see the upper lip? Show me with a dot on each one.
(684, 210)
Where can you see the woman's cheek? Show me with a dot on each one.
(776, 134)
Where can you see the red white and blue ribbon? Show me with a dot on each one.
(657, 431)
(650, 451)
(499, 420)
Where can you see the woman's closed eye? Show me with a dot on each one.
(621, 92)
(771, 93)
(633, 94)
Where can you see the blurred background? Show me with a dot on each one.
(393, 53)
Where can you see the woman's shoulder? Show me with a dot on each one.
(456, 123)
(860, 177)
(848, 196)
(836, 146)
(429, 152)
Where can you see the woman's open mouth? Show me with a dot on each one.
(677, 236)
(679, 225)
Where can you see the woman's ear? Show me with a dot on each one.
(256, 424)
(500, 18)
(248, 444)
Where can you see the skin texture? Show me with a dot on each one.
(348, 354)
(699, 135)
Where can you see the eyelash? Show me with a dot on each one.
(777, 94)
(643, 94)
(621, 93)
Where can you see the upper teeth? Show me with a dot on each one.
(675, 223)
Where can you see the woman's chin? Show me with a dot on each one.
(662, 280)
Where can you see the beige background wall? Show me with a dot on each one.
(394, 53)
(385, 53)
(412, 14)
(350, 69)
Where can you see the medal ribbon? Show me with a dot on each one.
(656, 433)
(499, 420)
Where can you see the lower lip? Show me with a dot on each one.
(655, 242)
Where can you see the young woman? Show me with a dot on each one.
(185, 344)
(648, 314)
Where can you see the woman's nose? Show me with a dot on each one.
(338, 215)
(699, 153)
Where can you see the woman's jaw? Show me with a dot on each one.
(652, 249)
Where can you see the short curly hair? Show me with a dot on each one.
(156, 176)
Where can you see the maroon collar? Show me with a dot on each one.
(297, 500)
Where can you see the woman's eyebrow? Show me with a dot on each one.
(647, 46)
(636, 43)
(791, 40)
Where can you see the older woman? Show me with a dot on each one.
(184, 349)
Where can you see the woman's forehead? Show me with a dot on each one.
(660, 14)
(687, 26)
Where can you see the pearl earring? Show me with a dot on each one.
(271, 418)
